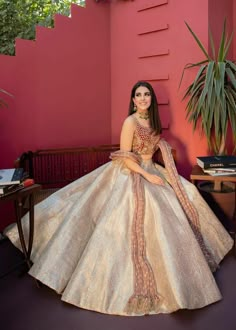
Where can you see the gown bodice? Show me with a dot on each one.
(145, 141)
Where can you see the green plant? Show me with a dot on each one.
(212, 94)
(18, 19)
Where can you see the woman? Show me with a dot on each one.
(132, 237)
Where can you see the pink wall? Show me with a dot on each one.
(52, 77)
(234, 27)
(151, 42)
(218, 11)
(61, 85)
(7, 115)
(71, 86)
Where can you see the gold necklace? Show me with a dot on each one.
(145, 116)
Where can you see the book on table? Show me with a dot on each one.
(11, 176)
(207, 162)
(224, 171)
(9, 189)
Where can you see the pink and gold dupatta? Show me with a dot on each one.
(145, 297)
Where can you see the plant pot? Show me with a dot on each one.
(221, 202)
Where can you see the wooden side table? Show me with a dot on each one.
(19, 197)
(197, 174)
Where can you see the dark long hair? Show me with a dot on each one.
(155, 121)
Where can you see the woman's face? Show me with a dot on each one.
(142, 98)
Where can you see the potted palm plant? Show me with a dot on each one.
(212, 103)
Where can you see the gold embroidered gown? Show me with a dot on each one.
(113, 242)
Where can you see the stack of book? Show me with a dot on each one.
(11, 180)
(218, 165)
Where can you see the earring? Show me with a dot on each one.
(135, 108)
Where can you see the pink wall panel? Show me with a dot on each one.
(218, 11)
(62, 83)
(72, 85)
(7, 115)
(156, 45)
(234, 27)
(61, 87)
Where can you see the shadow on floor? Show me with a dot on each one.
(24, 306)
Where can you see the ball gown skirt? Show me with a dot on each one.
(83, 243)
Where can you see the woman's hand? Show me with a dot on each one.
(154, 179)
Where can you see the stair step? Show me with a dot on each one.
(43, 33)
(23, 46)
(77, 11)
(60, 20)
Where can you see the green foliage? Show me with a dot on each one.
(18, 19)
(212, 94)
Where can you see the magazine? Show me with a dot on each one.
(11, 176)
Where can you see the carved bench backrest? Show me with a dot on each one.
(55, 168)
(58, 167)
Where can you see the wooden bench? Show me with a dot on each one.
(55, 168)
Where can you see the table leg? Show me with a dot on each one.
(19, 198)
(18, 208)
(234, 219)
(31, 225)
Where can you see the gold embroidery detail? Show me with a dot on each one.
(144, 141)
(188, 207)
(145, 297)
